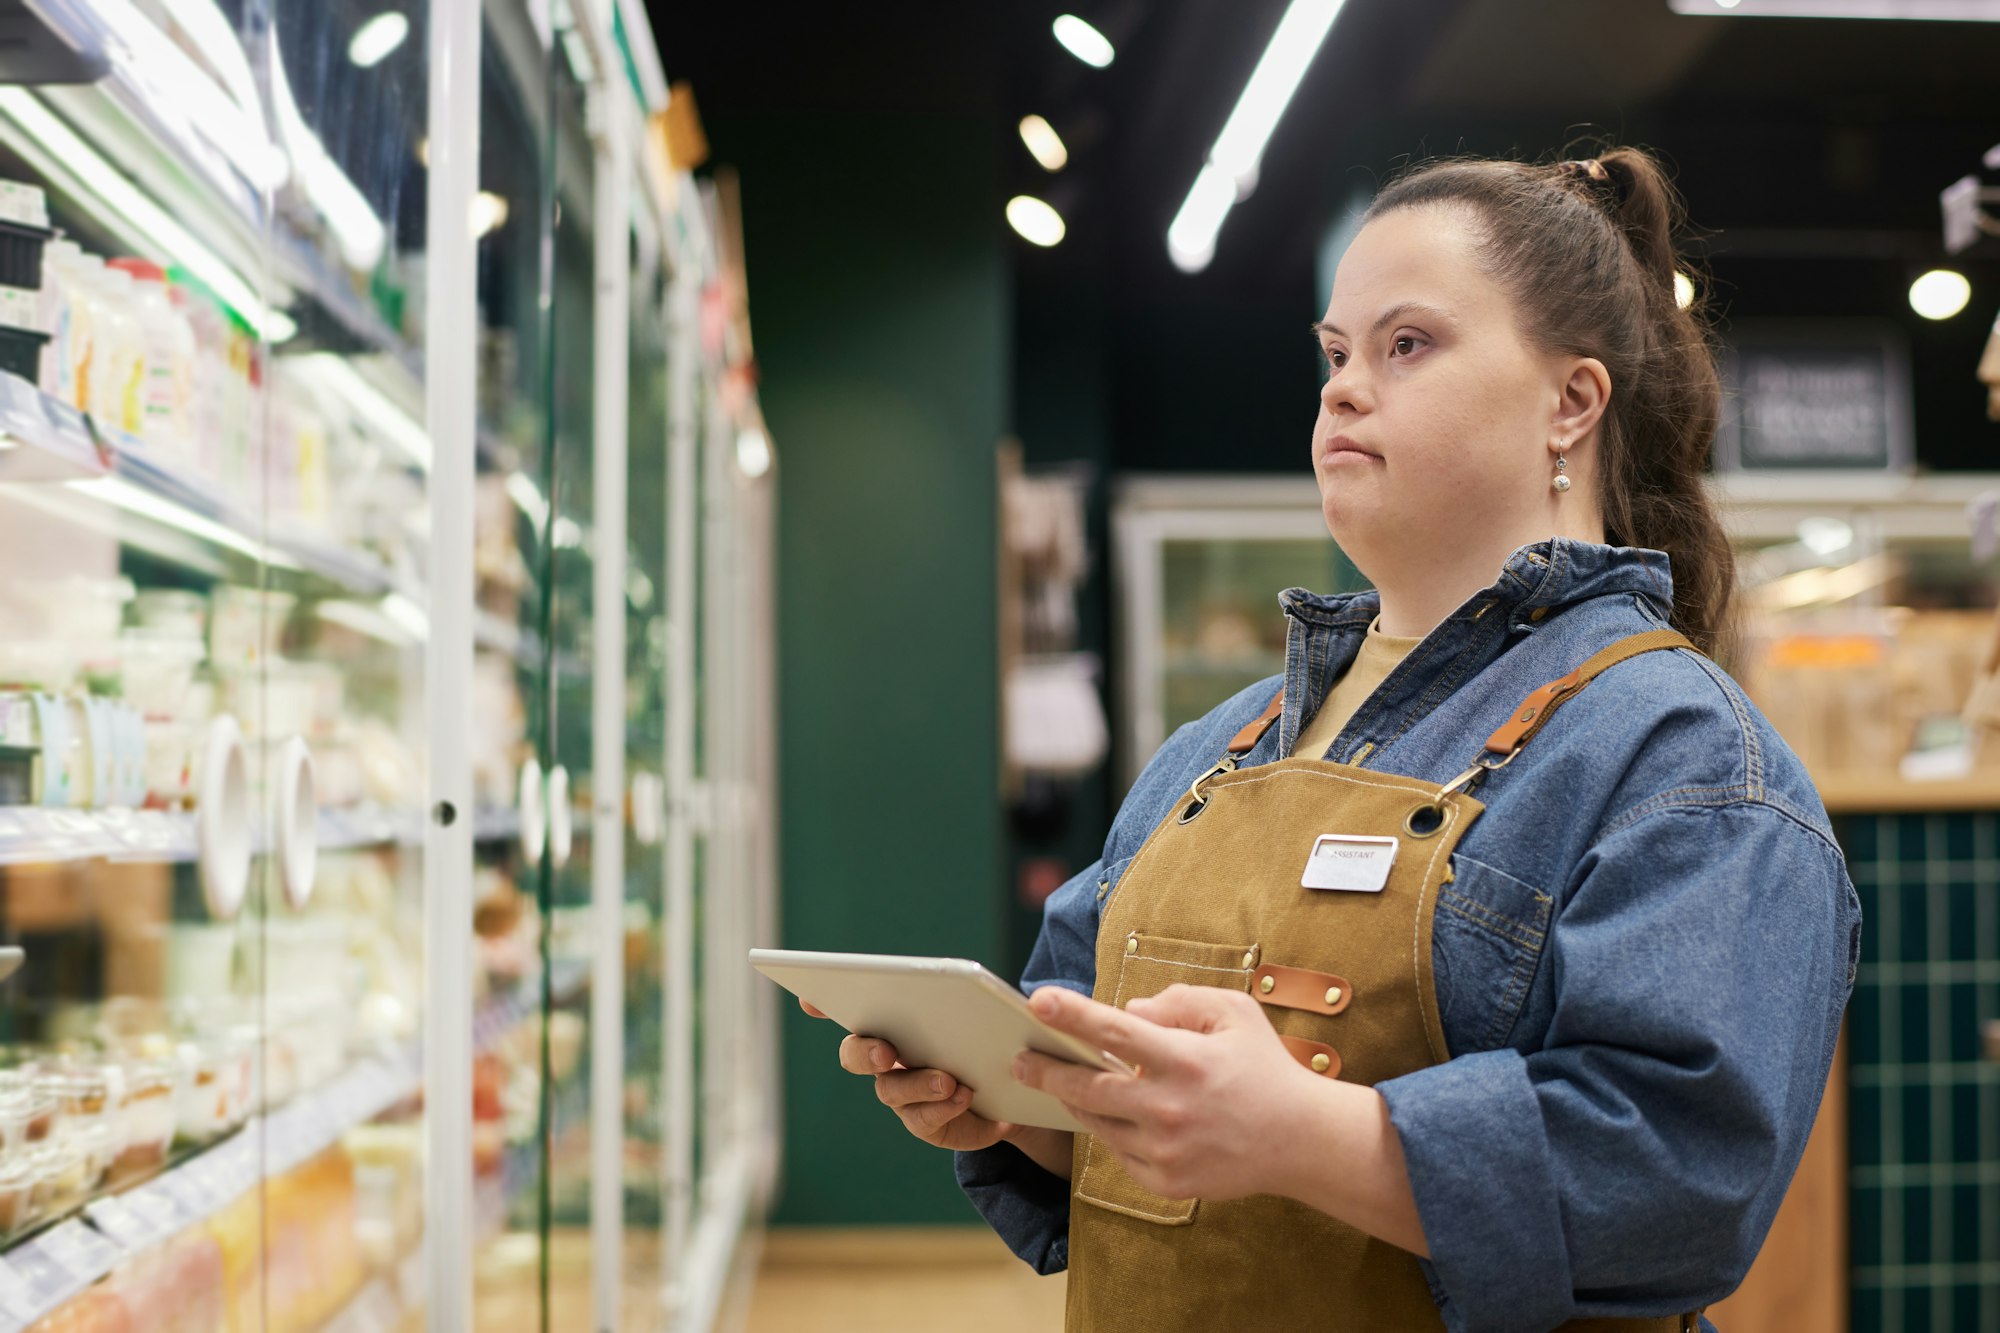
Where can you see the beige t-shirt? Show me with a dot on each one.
(1378, 656)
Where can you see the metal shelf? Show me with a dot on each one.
(40, 1274)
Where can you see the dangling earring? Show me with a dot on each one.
(1561, 483)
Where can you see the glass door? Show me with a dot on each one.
(511, 758)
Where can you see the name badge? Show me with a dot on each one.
(1348, 864)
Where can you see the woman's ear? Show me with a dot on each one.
(1580, 403)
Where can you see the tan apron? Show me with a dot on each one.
(1215, 898)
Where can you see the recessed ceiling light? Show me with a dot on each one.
(1940, 294)
(1084, 42)
(1044, 143)
(1035, 220)
(377, 39)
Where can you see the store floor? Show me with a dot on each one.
(851, 1280)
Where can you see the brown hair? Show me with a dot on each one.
(1586, 249)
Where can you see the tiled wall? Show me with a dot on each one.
(1924, 1138)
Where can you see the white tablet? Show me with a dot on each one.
(939, 1013)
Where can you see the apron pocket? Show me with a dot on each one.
(1487, 942)
(1148, 965)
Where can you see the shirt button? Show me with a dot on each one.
(1321, 1063)
(1333, 995)
(1131, 944)
(1250, 958)
(1267, 984)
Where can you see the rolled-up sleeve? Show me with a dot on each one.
(1633, 1163)
(1025, 1205)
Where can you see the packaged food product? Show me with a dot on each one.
(58, 376)
(17, 1188)
(24, 204)
(172, 612)
(60, 778)
(201, 958)
(167, 394)
(157, 667)
(247, 625)
(118, 360)
(148, 1118)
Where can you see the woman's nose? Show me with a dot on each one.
(1348, 391)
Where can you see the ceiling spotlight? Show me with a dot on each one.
(489, 213)
(1940, 294)
(1036, 221)
(1084, 42)
(377, 39)
(753, 452)
(1044, 143)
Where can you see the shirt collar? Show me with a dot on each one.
(1540, 575)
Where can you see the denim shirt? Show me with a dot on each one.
(1641, 962)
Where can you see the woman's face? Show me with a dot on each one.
(1436, 416)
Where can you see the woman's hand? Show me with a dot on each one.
(1220, 1109)
(935, 1107)
(1198, 1120)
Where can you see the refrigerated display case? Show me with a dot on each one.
(361, 517)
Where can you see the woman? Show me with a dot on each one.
(1488, 976)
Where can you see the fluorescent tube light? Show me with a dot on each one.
(1191, 238)
(356, 228)
(1238, 149)
(1044, 143)
(123, 494)
(353, 391)
(377, 39)
(1034, 220)
(1084, 42)
(141, 223)
(1958, 11)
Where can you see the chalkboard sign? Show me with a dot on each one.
(1816, 396)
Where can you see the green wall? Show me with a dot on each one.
(879, 304)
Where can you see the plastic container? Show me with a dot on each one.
(147, 1118)
(21, 252)
(201, 958)
(158, 666)
(172, 612)
(21, 353)
(247, 625)
(118, 358)
(17, 1193)
(169, 762)
(71, 323)
(167, 393)
(82, 610)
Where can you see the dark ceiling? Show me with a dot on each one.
(1811, 154)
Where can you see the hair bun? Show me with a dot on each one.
(1608, 187)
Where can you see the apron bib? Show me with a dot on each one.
(1218, 896)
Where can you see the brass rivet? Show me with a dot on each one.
(1267, 984)
(1321, 1063)
(1132, 944)
(1538, 613)
(1527, 715)
(1250, 958)
(1333, 995)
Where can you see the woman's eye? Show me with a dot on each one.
(1336, 358)
(1409, 338)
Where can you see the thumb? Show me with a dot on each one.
(1191, 1008)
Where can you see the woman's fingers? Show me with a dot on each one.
(912, 1087)
(866, 1055)
(926, 1118)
